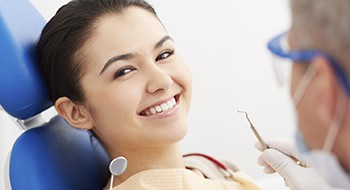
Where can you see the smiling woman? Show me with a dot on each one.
(112, 68)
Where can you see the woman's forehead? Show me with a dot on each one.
(135, 30)
(133, 22)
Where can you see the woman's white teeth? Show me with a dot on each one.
(151, 111)
(162, 107)
(158, 108)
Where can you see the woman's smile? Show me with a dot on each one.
(161, 107)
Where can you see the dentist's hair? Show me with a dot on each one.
(59, 49)
(323, 25)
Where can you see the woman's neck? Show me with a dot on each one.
(150, 158)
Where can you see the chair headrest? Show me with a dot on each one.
(22, 90)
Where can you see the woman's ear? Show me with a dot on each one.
(75, 114)
(326, 93)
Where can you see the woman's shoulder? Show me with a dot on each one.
(202, 172)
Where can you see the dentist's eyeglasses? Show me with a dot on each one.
(283, 58)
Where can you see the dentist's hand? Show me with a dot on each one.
(281, 157)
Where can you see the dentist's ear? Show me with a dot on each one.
(73, 113)
(327, 88)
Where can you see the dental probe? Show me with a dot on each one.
(261, 141)
(264, 145)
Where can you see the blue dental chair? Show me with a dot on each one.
(47, 155)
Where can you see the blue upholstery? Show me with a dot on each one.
(23, 94)
(57, 156)
(53, 156)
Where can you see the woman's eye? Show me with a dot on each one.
(164, 55)
(123, 71)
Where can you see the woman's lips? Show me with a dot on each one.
(162, 107)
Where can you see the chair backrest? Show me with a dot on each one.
(57, 156)
(54, 155)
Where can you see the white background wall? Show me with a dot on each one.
(224, 43)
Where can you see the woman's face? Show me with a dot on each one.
(137, 88)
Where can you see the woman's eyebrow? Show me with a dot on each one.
(162, 41)
(130, 55)
(115, 59)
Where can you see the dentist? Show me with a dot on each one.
(317, 47)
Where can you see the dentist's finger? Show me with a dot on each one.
(267, 169)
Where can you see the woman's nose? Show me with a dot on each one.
(158, 79)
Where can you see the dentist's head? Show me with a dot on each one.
(323, 101)
(318, 45)
(111, 67)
